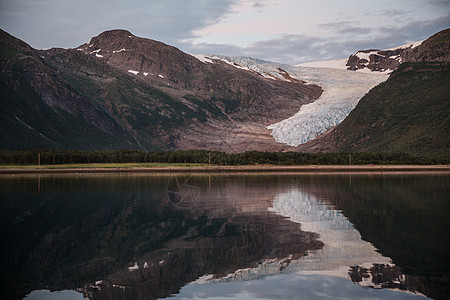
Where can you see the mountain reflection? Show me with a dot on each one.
(139, 237)
(147, 237)
(406, 217)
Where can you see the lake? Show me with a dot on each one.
(225, 236)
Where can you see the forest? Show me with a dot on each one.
(54, 157)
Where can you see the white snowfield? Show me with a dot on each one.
(342, 90)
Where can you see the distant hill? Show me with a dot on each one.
(410, 112)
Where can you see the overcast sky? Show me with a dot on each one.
(286, 31)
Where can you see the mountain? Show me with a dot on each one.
(122, 91)
(407, 113)
(40, 109)
(371, 60)
(379, 60)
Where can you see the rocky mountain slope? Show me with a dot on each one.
(40, 109)
(121, 91)
(407, 113)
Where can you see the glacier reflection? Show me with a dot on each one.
(343, 244)
(324, 273)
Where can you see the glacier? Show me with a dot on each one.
(342, 90)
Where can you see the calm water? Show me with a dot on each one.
(215, 236)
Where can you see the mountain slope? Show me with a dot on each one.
(121, 91)
(407, 113)
(39, 109)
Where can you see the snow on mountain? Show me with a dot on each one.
(342, 91)
(406, 46)
(366, 60)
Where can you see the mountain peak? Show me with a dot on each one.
(113, 34)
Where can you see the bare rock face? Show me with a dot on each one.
(375, 60)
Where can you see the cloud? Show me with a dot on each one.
(50, 23)
(295, 49)
(284, 32)
(440, 2)
(345, 28)
(392, 12)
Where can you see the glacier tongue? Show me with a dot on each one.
(342, 90)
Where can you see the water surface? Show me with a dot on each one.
(229, 236)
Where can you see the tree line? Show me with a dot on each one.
(49, 157)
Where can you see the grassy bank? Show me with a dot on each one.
(205, 168)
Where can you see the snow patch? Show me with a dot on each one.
(366, 55)
(145, 74)
(409, 45)
(133, 72)
(203, 58)
(98, 55)
(255, 66)
(118, 51)
(134, 268)
(160, 76)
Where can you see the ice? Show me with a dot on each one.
(133, 72)
(342, 90)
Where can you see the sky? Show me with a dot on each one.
(285, 31)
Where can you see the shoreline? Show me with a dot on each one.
(231, 169)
